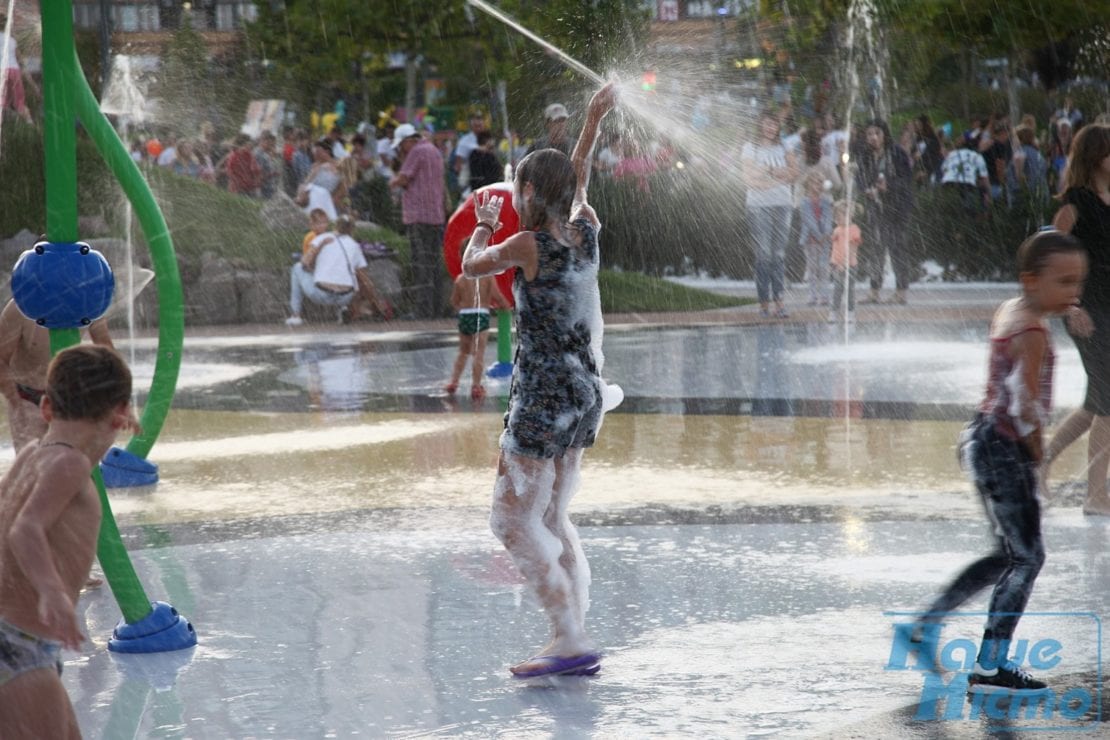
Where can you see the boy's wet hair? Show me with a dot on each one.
(553, 179)
(87, 382)
(1035, 252)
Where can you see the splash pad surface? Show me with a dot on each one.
(323, 512)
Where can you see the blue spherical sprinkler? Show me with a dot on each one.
(62, 285)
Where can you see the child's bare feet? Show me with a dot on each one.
(478, 392)
(450, 388)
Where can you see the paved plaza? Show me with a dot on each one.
(769, 501)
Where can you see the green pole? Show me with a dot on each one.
(66, 96)
(171, 301)
(59, 78)
(505, 336)
(59, 137)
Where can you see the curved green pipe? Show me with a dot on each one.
(66, 96)
(171, 302)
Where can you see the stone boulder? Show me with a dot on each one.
(212, 298)
(11, 248)
(280, 213)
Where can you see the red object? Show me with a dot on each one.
(461, 224)
(243, 172)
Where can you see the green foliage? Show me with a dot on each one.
(673, 225)
(315, 45)
(202, 218)
(628, 292)
(22, 171)
(974, 245)
(186, 80)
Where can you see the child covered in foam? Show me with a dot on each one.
(557, 398)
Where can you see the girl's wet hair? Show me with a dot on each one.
(553, 181)
(1035, 252)
(87, 382)
(1089, 147)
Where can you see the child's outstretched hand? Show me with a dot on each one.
(604, 100)
(487, 207)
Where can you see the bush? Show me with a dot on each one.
(973, 245)
(679, 225)
(674, 225)
(23, 169)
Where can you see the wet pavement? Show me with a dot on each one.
(770, 500)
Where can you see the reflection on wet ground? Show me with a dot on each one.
(762, 498)
(872, 370)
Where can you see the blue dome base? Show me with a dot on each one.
(500, 370)
(160, 631)
(121, 469)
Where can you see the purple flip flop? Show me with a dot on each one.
(554, 665)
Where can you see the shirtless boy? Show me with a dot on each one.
(49, 520)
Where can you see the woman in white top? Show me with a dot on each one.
(769, 170)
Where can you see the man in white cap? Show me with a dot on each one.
(422, 211)
(555, 120)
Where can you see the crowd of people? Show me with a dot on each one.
(792, 176)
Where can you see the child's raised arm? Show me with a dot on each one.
(600, 104)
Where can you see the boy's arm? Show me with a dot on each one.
(1029, 350)
(98, 333)
(57, 485)
(11, 329)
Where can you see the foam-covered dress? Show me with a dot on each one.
(557, 398)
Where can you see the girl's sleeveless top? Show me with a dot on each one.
(998, 402)
(559, 311)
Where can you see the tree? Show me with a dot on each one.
(922, 35)
(322, 48)
(185, 78)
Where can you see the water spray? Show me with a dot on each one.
(567, 59)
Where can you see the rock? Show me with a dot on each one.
(263, 296)
(212, 298)
(11, 248)
(92, 227)
(280, 213)
(385, 273)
